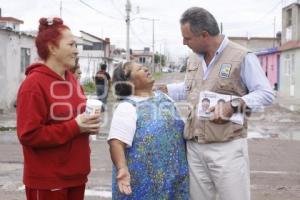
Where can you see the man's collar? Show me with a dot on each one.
(221, 47)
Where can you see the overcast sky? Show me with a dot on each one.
(107, 19)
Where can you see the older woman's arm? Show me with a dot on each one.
(117, 153)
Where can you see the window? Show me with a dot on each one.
(2, 24)
(96, 46)
(287, 65)
(142, 59)
(289, 17)
(292, 70)
(25, 58)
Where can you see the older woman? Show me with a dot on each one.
(146, 142)
(53, 132)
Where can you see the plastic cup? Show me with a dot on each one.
(93, 106)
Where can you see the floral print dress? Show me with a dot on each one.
(157, 158)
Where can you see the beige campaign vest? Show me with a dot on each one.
(201, 129)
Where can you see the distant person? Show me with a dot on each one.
(146, 140)
(51, 126)
(76, 71)
(102, 81)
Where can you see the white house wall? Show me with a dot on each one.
(289, 73)
(10, 65)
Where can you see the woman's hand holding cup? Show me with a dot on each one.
(90, 121)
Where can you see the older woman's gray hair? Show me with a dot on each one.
(121, 85)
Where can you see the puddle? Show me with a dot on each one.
(276, 172)
(98, 193)
(253, 134)
(21, 188)
(8, 137)
(290, 135)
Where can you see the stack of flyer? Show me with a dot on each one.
(209, 99)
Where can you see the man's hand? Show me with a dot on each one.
(123, 179)
(221, 113)
(161, 87)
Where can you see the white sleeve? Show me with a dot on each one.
(253, 76)
(123, 124)
(177, 91)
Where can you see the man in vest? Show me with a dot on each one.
(217, 148)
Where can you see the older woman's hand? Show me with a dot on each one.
(123, 179)
(88, 124)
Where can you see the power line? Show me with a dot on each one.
(138, 38)
(268, 12)
(258, 19)
(98, 11)
(114, 5)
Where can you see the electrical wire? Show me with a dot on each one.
(114, 5)
(98, 11)
(138, 38)
(268, 12)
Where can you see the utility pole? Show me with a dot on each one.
(274, 31)
(160, 58)
(128, 9)
(153, 41)
(60, 9)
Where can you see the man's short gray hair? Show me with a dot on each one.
(200, 20)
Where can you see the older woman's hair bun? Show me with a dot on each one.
(46, 23)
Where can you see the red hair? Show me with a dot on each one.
(50, 32)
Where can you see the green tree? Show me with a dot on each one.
(160, 58)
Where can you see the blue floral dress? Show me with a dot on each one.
(157, 159)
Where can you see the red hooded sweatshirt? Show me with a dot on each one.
(56, 154)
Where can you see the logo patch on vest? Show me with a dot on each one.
(225, 70)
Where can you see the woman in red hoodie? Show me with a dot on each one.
(51, 127)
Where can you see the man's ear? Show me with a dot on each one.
(205, 34)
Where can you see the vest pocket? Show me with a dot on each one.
(225, 87)
(221, 132)
(229, 87)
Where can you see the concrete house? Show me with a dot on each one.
(17, 50)
(142, 56)
(10, 23)
(270, 62)
(92, 52)
(290, 52)
(266, 49)
(257, 43)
